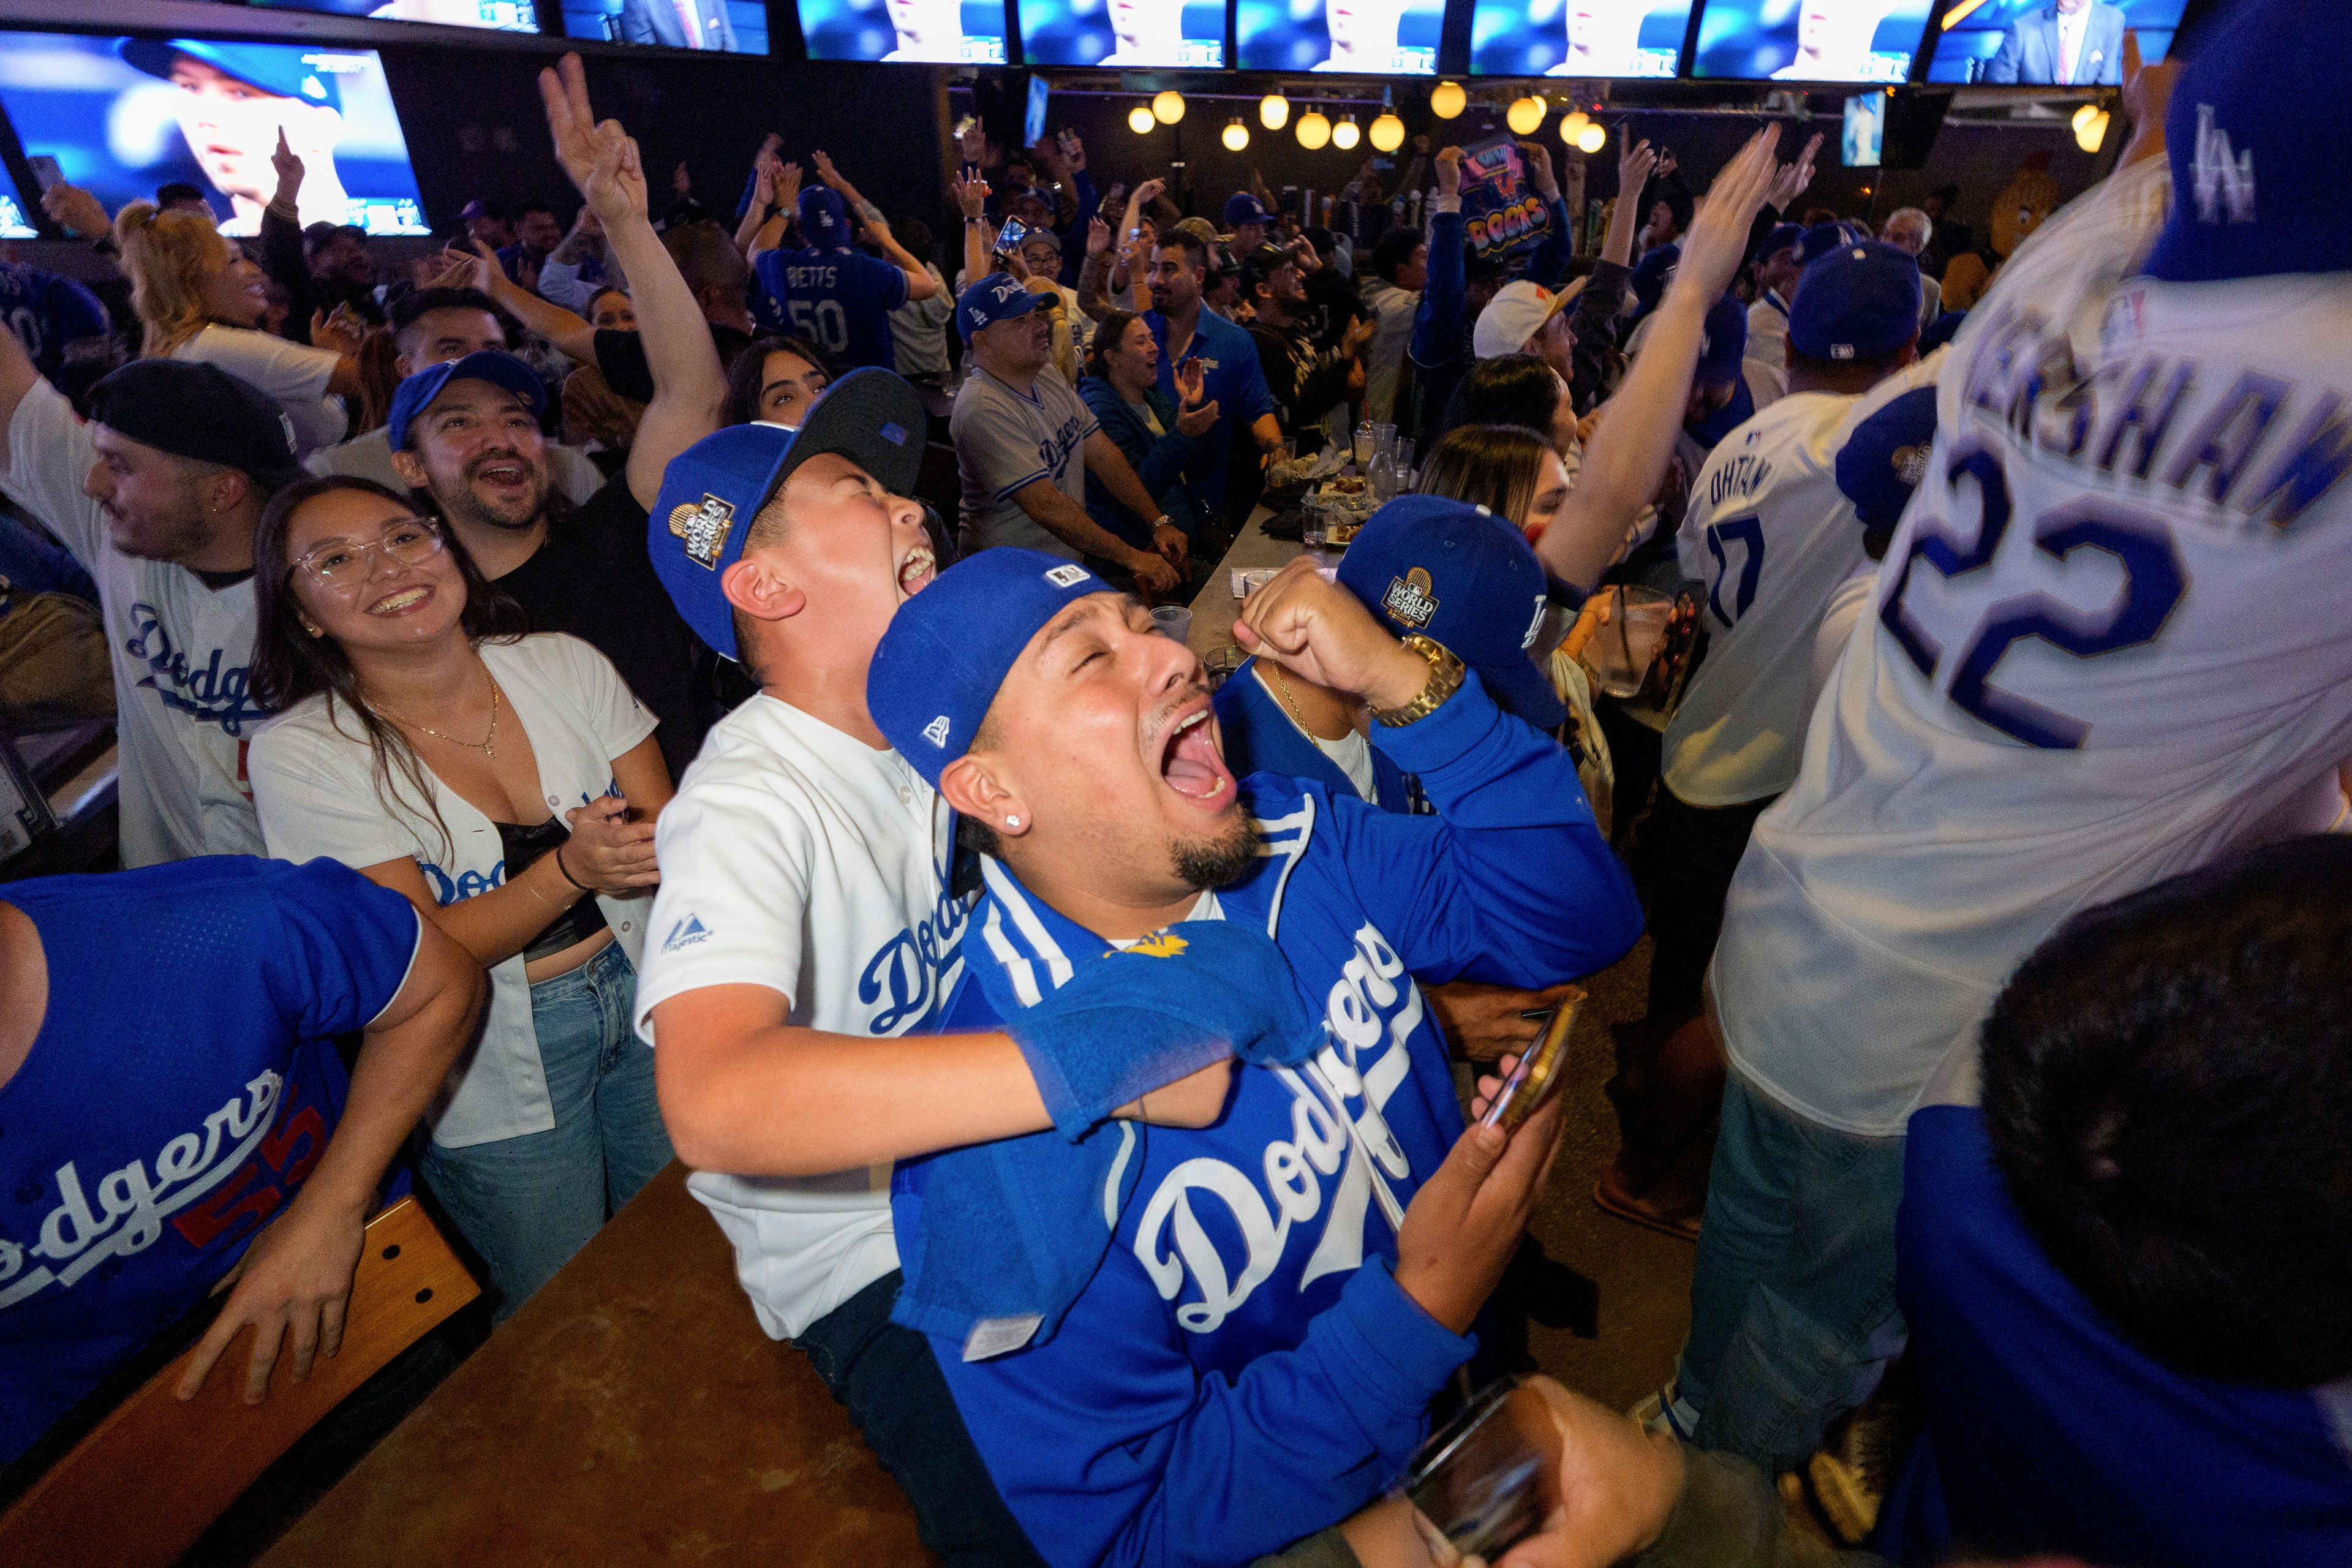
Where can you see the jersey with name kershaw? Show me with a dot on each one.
(1770, 534)
(2108, 648)
(840, 300)
(799, 858)
(180, 650)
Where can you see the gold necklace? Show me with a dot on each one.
(484, 746)
(1289, 702)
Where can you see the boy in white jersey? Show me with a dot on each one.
(2108, 648)
(1769, 535)
(805, 930)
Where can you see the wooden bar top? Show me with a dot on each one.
(1214, 608)
(631, 1413)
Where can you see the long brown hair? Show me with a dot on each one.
(168, 256)
(291, 666)
(1497, 467)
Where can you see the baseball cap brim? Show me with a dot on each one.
(872, 418)
(417, 394)
(1524, 691)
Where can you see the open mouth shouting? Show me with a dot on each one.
(1189, 762)
(915, 569)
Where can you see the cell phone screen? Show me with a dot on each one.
(1008, 237)
(46, 173)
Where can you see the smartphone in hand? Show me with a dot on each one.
(1539, 1073)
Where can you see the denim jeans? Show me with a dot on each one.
(526, 1204)
(1793, 1304)
(887, 1379)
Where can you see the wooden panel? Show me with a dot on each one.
(212, 1447)
(631, 1413)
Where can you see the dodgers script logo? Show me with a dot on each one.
(133, 1203)
(212, 693)
(1339, 1159)
(704, 526)
(913, 967)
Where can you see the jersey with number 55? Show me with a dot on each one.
(1772, 535)
(2110, 644)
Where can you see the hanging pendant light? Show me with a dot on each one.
(1274, 112)
(1236, 135)
(1593, 137)
(1314, 131)
(1447, 100)
(1347, 133)
(1139, 120)
(1387, 133)
(1169, 107)
(1525, 117)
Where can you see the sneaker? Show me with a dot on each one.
(1849, 1472)
(1664, 1413)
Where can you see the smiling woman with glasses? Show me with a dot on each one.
(505, 784)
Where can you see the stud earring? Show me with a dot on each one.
(1012, 822)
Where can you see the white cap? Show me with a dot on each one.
(1517, 312)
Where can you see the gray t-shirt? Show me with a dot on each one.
(1006, 440)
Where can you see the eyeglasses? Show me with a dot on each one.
(411, 541)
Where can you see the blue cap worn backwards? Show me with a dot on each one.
(824, 218)
(289, 70)
(1241, 207)
(2258, 186)
(1884, 458)
(999, 296)
(1857, 302)
(948, 649)
(1722, 342)
(1461, 577)
(416, 394)
(711, 492)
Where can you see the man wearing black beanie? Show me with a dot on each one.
(157, 496)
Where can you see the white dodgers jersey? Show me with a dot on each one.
(2109, 645)
(1772, 535)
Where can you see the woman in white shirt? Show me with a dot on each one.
(199, 298)
(424, 741)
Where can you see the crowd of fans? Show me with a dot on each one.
(1066, 1044)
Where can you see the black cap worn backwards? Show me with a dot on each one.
(199, 411)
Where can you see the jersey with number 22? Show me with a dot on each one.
(2109, 644)
(840, 300)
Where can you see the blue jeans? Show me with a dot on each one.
(1793, 1304)
(888, 1380)
(527, 1203)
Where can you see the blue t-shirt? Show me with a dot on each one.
(2048, 1431)
(840, 300)
(48, 314)
(183, 1084)
(1232, 379)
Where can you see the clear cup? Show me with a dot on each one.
(1173, 621)
(1314, 524)
(1632, 630)
(1490, 1477)
(1249, 579)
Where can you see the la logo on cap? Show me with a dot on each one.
(935, 732)
(1410, 600)
(704, 528)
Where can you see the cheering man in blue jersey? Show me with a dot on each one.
(837, 297)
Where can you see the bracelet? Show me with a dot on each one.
(1444, 680)
(565, 871)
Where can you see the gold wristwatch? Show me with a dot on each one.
(1444, 680)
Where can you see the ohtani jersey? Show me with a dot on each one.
(840, 300)
(1772, 536)
(2109, 645)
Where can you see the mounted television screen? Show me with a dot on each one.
(122, 116)
(1582, 39)
(1361, 38)
(947, 32)
(1865, 130)
(508, 16)
(2042, 44)
(722, 27)
(1123, 32)
(1810, 41)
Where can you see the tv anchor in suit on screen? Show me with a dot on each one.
(2067, 43)
(678, 24)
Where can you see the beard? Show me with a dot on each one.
(1208, 864)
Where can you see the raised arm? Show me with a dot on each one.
(541, 317)
(1629, 454)
(1548, 267)
(1437, 322)
(17, 377)
(919, 285)
(689, 386)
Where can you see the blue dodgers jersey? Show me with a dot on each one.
(182, 1086)
(840, 300)
(2047, 1431)
(48, 313)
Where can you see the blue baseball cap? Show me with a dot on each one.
(1858, 301)
(1823, 237)
(949, 648)
(824, 218)
(1723, 343)
(711, 492)
(999, 296)
(2257, 175)
(416, 394)
(1651, 275)
(1884, 459)
(1241, 207)
(1458, 575)
(1784, 237)
(289, 70)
